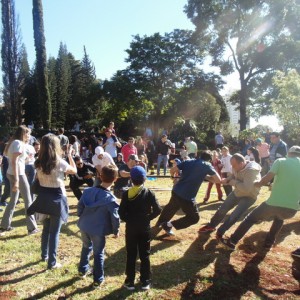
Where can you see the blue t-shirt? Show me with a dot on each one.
(192, 176)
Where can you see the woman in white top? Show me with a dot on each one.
(16, 153)
(51, 199)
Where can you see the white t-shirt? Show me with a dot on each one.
(30, 154)
(225, 160)
(111, 147)
(56, 178)
(105, 161)
(17, 147)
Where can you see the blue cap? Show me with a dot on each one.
(138, 173)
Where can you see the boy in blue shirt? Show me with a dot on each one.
(98, 217)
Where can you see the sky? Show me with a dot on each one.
(106, 28)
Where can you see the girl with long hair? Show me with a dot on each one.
(51, 200)
(15, 151)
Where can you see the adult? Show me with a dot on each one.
(16, 153)
(140, 146)
(73, 140)
(101, 159)
(278, 147)
(52, 197)
(263, 149)
(84, 175)
(282, 204)
(191, 147)
(193, 173)
(64, 141)
(110, 144)
(123, 181)
(245, 174)
(128, 149)
(219, 140)
(162, 148)
(150, 152)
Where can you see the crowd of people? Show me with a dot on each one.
(115, 170)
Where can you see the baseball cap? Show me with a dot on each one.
(177, 160)
(258, 140)
(295, 149)
(138, 173)
(134, 157)
(99, 150)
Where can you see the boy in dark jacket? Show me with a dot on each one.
(98, 217)
(138, 207)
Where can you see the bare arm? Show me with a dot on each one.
(266, 179)
(213, 178)
(174, 170)
(72, 168)
(14, 162)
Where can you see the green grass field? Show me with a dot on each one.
(186, 266)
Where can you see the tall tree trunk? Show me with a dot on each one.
(243, 104)
(41, 63)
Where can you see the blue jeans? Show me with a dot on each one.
(97, 244)
(30, 173)
(14, 196)
(241, 203)
(162, 159)
(264, 212)
(50, 239)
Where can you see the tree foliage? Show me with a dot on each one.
(287, 103)
(41, 64)
(14, 64)
(252, 37)
(160, 66)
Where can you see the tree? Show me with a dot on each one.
(63, 86)
(160, 66)
(41, 63)
(251, 37)
(287, 104)
(14, 64)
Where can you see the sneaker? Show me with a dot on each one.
(86, 273)
(207, 228)
(96, 285)
(204, 201)
(33, 231)
(227, 243)
(3, 203)
(296, 253)
(146, 286)
(56, 266)
(129, 285)
(167, 228)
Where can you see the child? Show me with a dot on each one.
(138, 206)
(176, 175)
(218, 167)
(98, 217)
(226, 170)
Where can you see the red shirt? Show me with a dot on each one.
(127, 151)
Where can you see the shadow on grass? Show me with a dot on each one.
(229, 283)
(18, 279)
(53, 289)
(12, 271)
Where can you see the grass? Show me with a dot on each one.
(184, 267)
